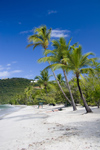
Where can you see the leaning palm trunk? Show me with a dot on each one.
(72, 99)
(88, 110)
(60, 86)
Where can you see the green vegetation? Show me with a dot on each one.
(43, 80)
(66, 57)
(58, 58)
(41, 37)
(10, 87)
(83, 88)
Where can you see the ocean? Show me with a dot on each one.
(7, 108)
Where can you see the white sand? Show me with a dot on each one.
(41, 129)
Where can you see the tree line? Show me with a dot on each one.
(66, 57)
(83, 88)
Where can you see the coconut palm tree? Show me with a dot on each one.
(80, 64)
(41, 37)
(62, 50)
(60, 78)
(43, 80)
(59, 59)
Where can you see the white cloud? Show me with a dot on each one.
(8, 64)
(57, 33)
(1, 68)
(4, 74)
(16, 71)
(7, 71)
(14, 62)
(52, 12)
(7, 74)
(24, 32)
(8, 68)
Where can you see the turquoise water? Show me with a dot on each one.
(6, 109)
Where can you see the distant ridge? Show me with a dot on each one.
(10, 87)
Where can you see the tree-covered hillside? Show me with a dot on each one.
(10, 87)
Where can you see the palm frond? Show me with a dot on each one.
(69, 41)
(37, 77)
(55, 66)
(62, 41)
(37, 29)
(84, 59)
(29, 45)
(93, 60)
(49, 59)
(76, 56)
(55, 43)
(71, 60)
(87, 54)
(37, 44)
(64, 60)
(87, 70)
(48, 52)
(75, 44)
(35, 38)
(48, 35)
(82, 78)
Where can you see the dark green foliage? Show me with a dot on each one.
(10, 87)
(91, 89)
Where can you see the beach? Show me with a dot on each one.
(47, 128)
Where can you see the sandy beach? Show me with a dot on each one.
(43, 129)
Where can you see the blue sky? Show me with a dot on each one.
(79, 19)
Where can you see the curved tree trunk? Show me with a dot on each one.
(61, 88)
(73, 103)
(88, 110)
(60, 85)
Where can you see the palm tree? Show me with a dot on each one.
(61, 51)
(59, 59)
(43, 80)
(60, 78)
(79, 63)
(41, 37)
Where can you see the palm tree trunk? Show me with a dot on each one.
(98, 103)
(73, 103)
(88, 110)
(46, 90)
(60, 86)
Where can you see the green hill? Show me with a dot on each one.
(10, 87)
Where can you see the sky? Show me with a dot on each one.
(79, 19)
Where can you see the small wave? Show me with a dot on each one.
(7, 109)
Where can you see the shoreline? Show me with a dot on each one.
(31, 128)
(11, 111)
